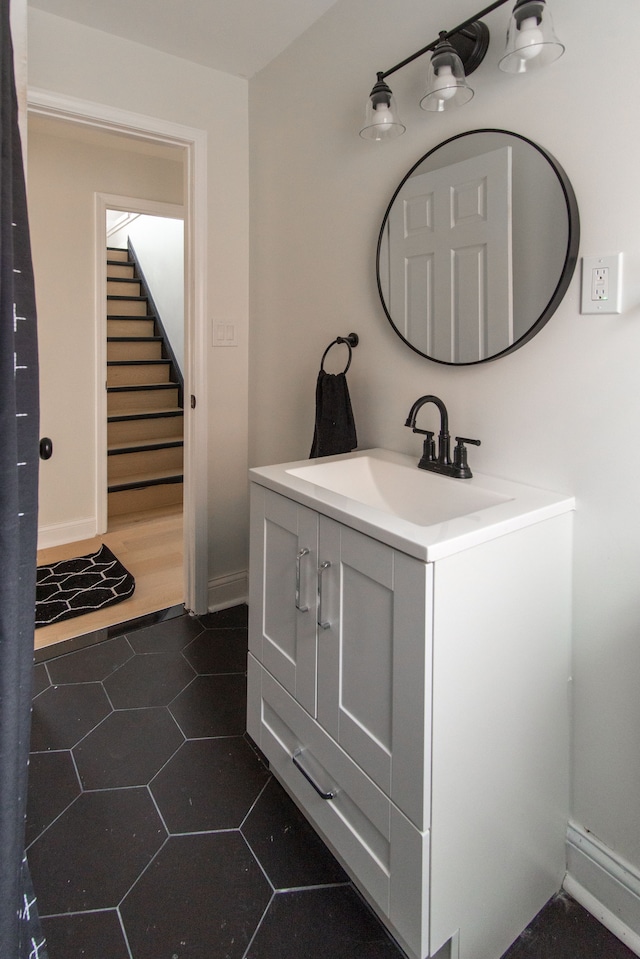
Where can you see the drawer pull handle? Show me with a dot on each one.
(310, 780)
(301, 552)
(322, 623)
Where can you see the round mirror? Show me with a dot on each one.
(477, 247)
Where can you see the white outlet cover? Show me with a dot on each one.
(613, 303)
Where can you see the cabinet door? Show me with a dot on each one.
(283, 602)
(374, 662)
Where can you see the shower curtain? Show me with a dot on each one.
(20, 935)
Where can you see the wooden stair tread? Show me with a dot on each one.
(141, 414)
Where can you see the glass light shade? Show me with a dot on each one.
(381, 120)
(531, 41)
(446, 82)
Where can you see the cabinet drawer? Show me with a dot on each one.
(381, 849)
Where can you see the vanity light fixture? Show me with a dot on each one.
(381, 119)
(531, 43)
(447, 81)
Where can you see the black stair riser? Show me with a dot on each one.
(137, 388)
(160, 362)
(134, 339)
(163, 481)
(126, 299)
(157, 415)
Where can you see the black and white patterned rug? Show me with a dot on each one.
(72, 587)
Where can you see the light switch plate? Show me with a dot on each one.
(224, 333)
(601, 284)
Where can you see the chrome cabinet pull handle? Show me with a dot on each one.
(321, 792)
(301, 552)
(322, 623)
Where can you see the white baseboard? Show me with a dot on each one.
(59, 534)
(228, 591)
(606, 885)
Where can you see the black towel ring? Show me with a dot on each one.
(351, 340)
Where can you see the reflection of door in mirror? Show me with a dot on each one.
(450, 278)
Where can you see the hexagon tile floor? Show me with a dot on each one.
(155, 831)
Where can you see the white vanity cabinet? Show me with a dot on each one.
(340, 613)
(417, 711)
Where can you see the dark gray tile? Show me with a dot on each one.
(212, 706)
(95, 851)
(62, 715)
(149, 679)
(317, 923)
(202, 897)
(233, 617)
(92, 664)
(85, 935)
(53, 785)
(218, 651)
(564, 930)
(40, 678)
(127, 748)
(288, 849)
(209, 784)
(168, 637)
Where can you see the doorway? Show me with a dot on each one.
(151, 136)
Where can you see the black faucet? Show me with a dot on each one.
(442, 462)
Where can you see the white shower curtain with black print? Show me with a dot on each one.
(20, 936)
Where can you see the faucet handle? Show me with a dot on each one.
(429, 448)
(460, 464)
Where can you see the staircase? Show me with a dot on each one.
(144, 401)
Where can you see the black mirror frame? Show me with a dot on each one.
(570, 260)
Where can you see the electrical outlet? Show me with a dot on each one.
(601, 284)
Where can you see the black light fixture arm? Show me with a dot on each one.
(444, 35)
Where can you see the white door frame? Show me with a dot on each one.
(194, 142)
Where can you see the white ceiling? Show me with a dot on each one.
(235, 36)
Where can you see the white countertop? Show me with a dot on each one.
(384, 495)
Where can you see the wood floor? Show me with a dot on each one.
(151, 550)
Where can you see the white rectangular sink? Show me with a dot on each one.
(429, 516)
(399, 488)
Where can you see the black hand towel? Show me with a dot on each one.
(335, 429)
